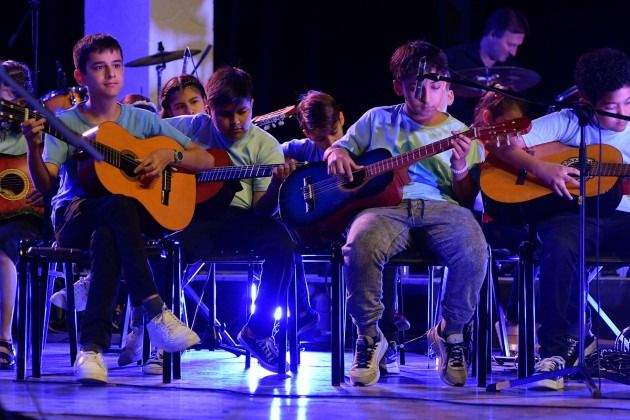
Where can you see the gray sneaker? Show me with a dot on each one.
(155, 363)
(167, 332)
(81, 290)
(389, 362)
(451, 353)
(367, 356)
(132, 352)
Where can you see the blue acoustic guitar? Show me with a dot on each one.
(318, 207)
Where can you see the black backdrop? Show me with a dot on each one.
(343, 47)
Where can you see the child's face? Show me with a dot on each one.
(186, 102)
(618, 102)
(324, 137)
(103, 74)
(233, 120)
(426, 109)
(7, 93)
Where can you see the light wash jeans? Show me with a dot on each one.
(451, 233)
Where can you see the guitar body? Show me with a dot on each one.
(15, 184)
(173, 210)
(512, 196)
(334, 203)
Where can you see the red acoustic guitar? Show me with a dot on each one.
(169, 199)
(15, 184)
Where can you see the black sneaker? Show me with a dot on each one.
(367, 356)
(571, 355)
(264, 350)
(451, 353)
(307, 322)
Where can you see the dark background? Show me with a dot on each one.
(343, 47)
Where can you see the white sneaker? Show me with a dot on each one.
(169, 333)
(365, 366)
(132, 352)
(155, 364)
(81, 290)
(90, 368)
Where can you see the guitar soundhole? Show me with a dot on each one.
(359, 177)
(128, 164)
(574, 162)
(13, 185)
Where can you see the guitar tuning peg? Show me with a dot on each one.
(266, 127)
(280, 123)
(498, 142)
(507, 139)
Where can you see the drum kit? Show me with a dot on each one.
(67, 97)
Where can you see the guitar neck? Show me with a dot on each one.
(235, 172)
(610, 169)
(407, 158)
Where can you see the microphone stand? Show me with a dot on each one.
(33, 11)
(585, 115)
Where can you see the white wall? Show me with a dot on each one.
(140, 24)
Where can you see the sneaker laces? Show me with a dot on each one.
(455, 354)
(364, 353)
(170, 320)
(549, 364)
(267, 347)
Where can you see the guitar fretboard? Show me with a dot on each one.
(610, 169)
(235, 172)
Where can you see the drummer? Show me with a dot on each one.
(504, 33)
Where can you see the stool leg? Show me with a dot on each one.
(526, 311)
(294, 350)
(177, 303)
(338, 319)
(401, 309)
(22, 312)
(36, 321)
(71, 314)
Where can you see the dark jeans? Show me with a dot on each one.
(15, 229)
(559, 276)
(245, 231)
(110, 227)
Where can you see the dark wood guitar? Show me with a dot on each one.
(318, 207)
(169, 199)
(514, 196)
(15, 184)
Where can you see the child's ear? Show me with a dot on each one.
(450, 97)
(342, 118)
(486, 117)
(398, 88)
(78, 76)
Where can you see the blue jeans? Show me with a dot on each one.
(378, 234)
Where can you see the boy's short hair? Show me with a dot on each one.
(317, 110)
(19, 72)
(178, 84)
(139, 101)
(506, 19)
(93, 43)
(601, 71)
(404, 61)
(228, 85)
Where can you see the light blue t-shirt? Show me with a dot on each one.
(12, 142)
(138, 122)
(389, 127)
(257, 147)
(302, 150)
(563, 126)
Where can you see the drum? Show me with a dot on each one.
(64, 98)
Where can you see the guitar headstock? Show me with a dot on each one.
(274, 118)
(501, 133)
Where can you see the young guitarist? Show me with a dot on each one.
(603, 81)
(16, 223)
(248, 224)
(110, 225)
(430, 203)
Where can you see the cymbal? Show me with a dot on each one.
(159, 58)
(514, 78)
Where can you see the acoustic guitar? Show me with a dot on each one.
(275, 118)
(318, 207)
(15, 184)
(169, 198)
(514, 196)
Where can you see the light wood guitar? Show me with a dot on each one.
(514, 196)
(169, 198)
(15, 184)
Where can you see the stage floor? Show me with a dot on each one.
(216, 385)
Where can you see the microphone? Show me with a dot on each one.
(62, 79)
(187, 55)
(420, 76)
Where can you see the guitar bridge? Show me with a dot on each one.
(308, 193)
(166, 186)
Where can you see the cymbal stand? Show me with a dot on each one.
(159, 69)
